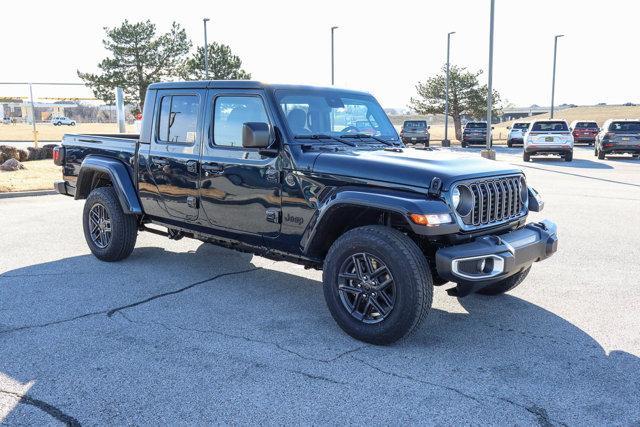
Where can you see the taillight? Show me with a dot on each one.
(58, 155)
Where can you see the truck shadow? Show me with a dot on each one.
(503, 349)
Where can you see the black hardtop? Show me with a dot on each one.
(243, 84)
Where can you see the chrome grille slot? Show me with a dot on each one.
(495, 200)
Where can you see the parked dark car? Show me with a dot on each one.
(584, 131)
(266, 169)
(474, 133)
(618, 137)
(415, 132)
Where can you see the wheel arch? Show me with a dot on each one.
(97, 171)
(353, 208)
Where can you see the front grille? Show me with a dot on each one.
(495, 201)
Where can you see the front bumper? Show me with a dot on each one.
(491, 258)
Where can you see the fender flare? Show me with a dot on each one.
(393, 201)
(122, 182)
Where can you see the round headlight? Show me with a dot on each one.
(455, 197)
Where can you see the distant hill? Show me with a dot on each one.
(598, 113)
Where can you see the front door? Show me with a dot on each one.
(239, 187)
(174, 152)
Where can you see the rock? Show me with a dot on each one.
(11, 165)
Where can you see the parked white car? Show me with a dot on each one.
(62, 120)
(548, 137)
(516, 133)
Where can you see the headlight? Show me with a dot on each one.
(464, 200)
(455, 197)
(524, 192)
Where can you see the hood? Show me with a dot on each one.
(415, 168)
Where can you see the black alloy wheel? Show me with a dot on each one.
(366, 287)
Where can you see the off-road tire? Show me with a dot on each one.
(526, 157)
(505, 285)
(412, 278)
(601, 155)
(124, 227)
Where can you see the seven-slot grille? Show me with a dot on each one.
(495, 200)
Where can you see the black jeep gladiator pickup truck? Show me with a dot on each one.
(280, 171)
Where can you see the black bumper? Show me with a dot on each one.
(541, 149)
(63, 188)
(504, 255)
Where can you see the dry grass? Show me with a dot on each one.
(48, 132)
(38, 175)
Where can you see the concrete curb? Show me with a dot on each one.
(15, 194)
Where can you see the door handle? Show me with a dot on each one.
(160, 162)
(212, 168)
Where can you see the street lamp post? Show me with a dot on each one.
(206, 50)
(332, 60)
(445, 141)
(489, 153)
(553, 78)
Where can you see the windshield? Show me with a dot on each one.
(586, 125)
(415, 124)
(334, 113)
(521, 125)
(625, 127)
(476, 125)
(550, 127)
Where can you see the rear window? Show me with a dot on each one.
(586, 125)
(624, 127)
(178, 119)
(550, 127)
(476, 125)
(415, 124)
(521, 125)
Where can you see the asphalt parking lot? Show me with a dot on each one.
(185, 333)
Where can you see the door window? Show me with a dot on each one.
(178, 119)
(230, 113)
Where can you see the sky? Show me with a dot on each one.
(384, 48)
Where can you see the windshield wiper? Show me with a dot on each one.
(364, 135)
(323, 136)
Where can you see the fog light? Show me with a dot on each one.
(431, 219)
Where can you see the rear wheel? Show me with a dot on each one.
(595, 151)
(506, 284)
(568, 157)
(377, 284)
(601, 155)
(526, 157)
(110, 233)
(464, 144)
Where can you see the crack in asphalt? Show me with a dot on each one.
(540, 413)
(112, 311)
(49, 409)
(251, 340)
(417, 380)
(177, 291)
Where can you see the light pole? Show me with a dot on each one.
(445, 141)
(206, 50)
(332, 60)
(553, 79)
(488, 152)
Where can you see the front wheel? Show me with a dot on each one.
(377, 284)
(110, 233)
(505, 285)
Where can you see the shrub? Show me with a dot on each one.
(23, 154)
(9, 153)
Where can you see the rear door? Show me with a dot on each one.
(174, 151)
(239, 187)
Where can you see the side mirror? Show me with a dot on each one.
(256, 135)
